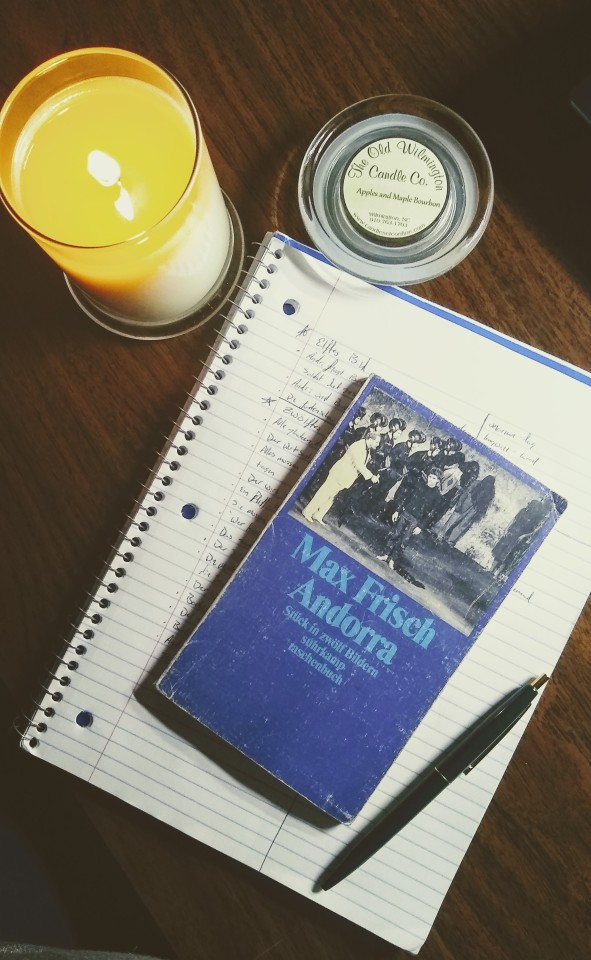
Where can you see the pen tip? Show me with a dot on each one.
(539, 681)
(327, 881)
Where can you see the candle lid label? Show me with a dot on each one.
(395, 188)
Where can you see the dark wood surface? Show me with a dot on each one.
(83, 415)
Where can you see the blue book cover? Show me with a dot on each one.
(360, 598)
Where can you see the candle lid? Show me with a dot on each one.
(396, 189)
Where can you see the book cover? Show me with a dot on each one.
(360, 598)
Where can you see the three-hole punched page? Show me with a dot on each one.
(288, 360)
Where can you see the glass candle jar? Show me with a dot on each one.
(103, 162)
(396, 189)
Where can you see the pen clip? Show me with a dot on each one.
(495, 742)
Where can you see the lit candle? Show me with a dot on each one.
(104, 163)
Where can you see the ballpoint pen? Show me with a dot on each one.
(461, 757)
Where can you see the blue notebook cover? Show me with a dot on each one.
(360, 598)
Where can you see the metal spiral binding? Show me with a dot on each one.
(60, 676)
(255, 298)
(248, 313)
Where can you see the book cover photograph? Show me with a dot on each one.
(360, 598)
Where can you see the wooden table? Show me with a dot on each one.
(84, 412)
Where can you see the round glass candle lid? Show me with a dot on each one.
(396, 189)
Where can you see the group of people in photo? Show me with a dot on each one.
(391, 472)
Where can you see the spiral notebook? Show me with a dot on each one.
(286, 363)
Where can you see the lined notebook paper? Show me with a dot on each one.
(286, 364)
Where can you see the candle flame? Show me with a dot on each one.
(103, 168)
(124, 205)
(107, 172)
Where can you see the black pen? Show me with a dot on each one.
(461, 757)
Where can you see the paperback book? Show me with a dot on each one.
(360, 598)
